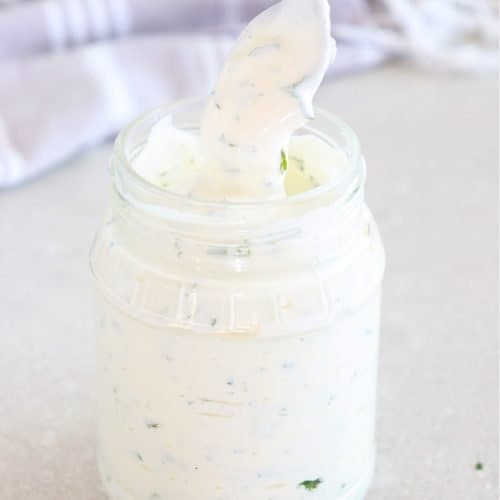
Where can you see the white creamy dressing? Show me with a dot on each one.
(172, 160)
(225, 416)
(264, 93)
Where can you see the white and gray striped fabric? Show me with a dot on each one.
(72, 72)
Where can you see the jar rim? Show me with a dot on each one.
(355, 174)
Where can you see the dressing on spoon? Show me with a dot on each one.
(264, 93)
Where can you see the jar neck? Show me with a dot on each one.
(179, 233)
(319, 237)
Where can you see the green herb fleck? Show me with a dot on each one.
(298, 162)
(293, 87)
(479, 466)
(217, 105)
(177, 247)
(313, 181)
(257, 51)
(284, 162)
(353, 194)
(152, 425)
(139, 457)
(225, 141)
(310, 484)
(217, 251)
(213, 321)
(243, 251)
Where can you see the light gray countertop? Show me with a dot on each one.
(431, 147)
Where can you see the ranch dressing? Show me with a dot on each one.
(239, 310)
(264, 93)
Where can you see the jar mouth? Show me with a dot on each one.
(152, 199)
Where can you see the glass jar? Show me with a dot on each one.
(238, 342)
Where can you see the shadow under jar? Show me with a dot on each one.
(237, 342)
